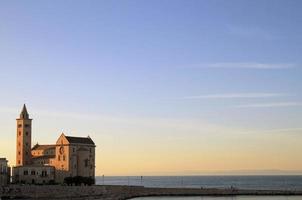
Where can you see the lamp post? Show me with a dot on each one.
(141, 180)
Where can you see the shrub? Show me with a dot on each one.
(68, 180)
(79, 180)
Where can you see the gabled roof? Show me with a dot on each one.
(43, 147)
(79, 140)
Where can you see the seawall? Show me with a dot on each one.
(120, 192)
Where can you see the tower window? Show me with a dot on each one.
(59, 158)
(64, 158)
(26, 133)
(26, 143)
(27, 125)
(19, 125)
(19, 153)
(33, 172)
(19, 133)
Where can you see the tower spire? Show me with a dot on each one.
(24, 114)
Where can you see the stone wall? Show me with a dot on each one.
(120, 192)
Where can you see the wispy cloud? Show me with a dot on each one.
(280, 130)
(270, 105)
(237, 95)
(248, 65)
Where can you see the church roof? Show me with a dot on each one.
(79, 140)
(43, 147)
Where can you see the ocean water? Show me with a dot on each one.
(240, 182)
(224, 198)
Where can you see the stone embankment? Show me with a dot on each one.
(120, 192)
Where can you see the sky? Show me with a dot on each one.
(163, 87)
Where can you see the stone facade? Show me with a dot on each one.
(4, 172)
(33, 174)
(42, 154)
(68, 157)
(75, 156)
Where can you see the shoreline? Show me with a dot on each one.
(110, 192)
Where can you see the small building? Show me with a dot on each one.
(34, 174)
(4, 172)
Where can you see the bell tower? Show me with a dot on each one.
(23, 154)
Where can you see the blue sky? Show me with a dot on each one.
(229, 63)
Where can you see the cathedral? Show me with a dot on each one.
(52, 163)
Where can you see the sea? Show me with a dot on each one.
(240, 182)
